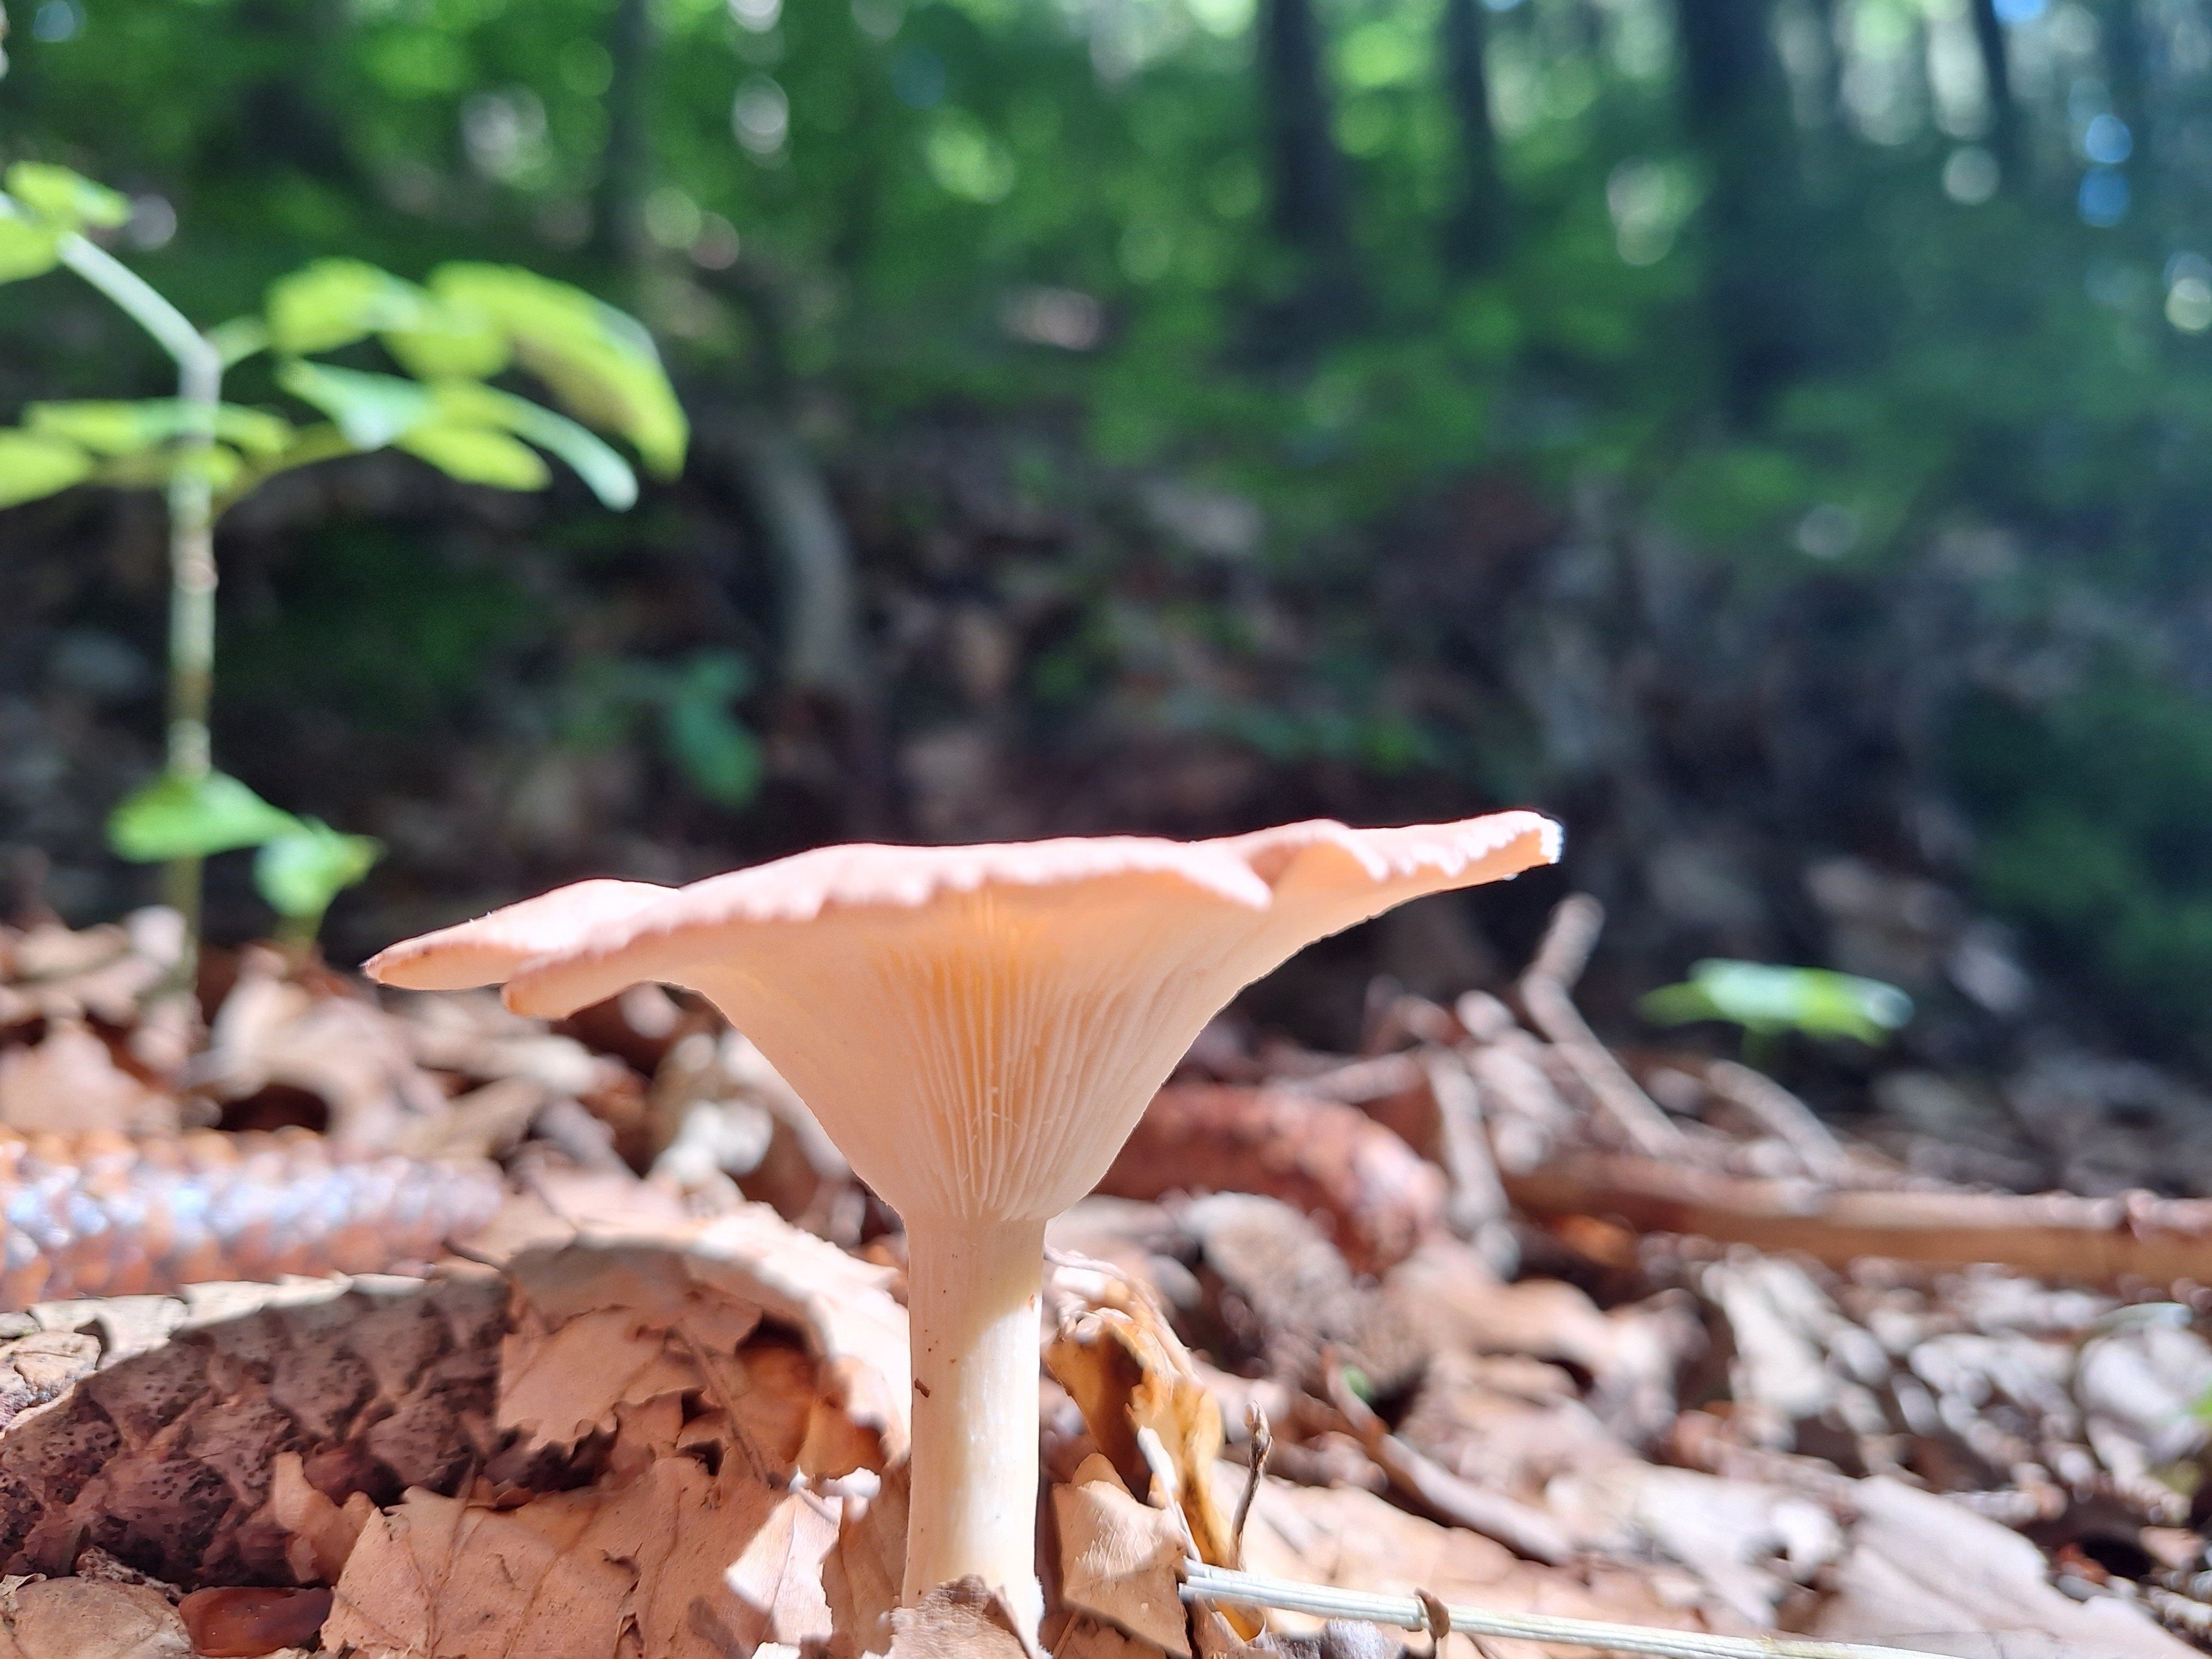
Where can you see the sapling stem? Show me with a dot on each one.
(192, 544)
(972, 1293)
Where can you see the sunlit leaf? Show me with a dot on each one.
(1763, 997)
(599, 363)
(476, 455)
(173, 817)
(448, 341)
(31, 466)
(335, 302)
(27, 249)
(370, 410)
(301, 871)
(606, 473)
(63, 198)
(124, 429)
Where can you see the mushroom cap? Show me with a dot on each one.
(978, 1027)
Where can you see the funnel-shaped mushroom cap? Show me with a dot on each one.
(979, 1027)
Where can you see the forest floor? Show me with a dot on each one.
(1479, 1313)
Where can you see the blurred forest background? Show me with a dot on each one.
(1774, 435)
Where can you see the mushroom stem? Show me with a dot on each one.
(972, 1292)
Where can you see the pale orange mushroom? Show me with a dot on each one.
(979, 1028)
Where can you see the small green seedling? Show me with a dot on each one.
(302, 864)
(1768, 1002)
(450, 336)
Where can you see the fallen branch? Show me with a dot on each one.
(1205, 1584)
(2058, 1236)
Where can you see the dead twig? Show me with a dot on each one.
(1780, 1114)
(2060, 1237)
(1545, 989)
(1456, 1502)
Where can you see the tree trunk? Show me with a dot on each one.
(1477, 235)
(1764, 279)
(626, 164)
(1311, 207)
(1996, 83)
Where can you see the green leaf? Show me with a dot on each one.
(175, 818)
(238, 338)
(451, 340)
(126, 429)
(31, 466)
(27, 249)
(302, 870)
(1760, 997)
(67, 200)
(476, 455)
(370, 410)
(599, 362)
(595, 462)
(716, 753)
(334, 302)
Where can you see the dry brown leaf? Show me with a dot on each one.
(1129, 1374)
(779, 1580)
(247, 1622)
(1086, 1638)
(438, 1578)
(1920, 1566)
(1375, 1196)
(319, 1535)
(1118, 1558)
(601, 1325)
(67, 1084)
(861, 1578)
(959, 1620)
(90, 1618)
(1341, 1537)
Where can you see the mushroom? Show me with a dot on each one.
(979, 1028)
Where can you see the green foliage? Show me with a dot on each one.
(302, 869)
(302, 863)
(690, 704)
(173, 817)
(1767, 1001)
(471, 322)
(2091, 810)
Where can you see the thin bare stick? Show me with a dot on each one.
(1545, 988)
(1446, 1496)
(1263, 1447)
(1781, 1114)
(1205, 1584)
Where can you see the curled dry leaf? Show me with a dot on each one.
(1131, 1377)
(1377, 1197)
(243, 1622)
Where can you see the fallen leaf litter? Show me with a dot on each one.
(655, 1417)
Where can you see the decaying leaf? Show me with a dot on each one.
(89, 1619)
(959, 1620)
(1131, 1376)
(1118, 1558)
